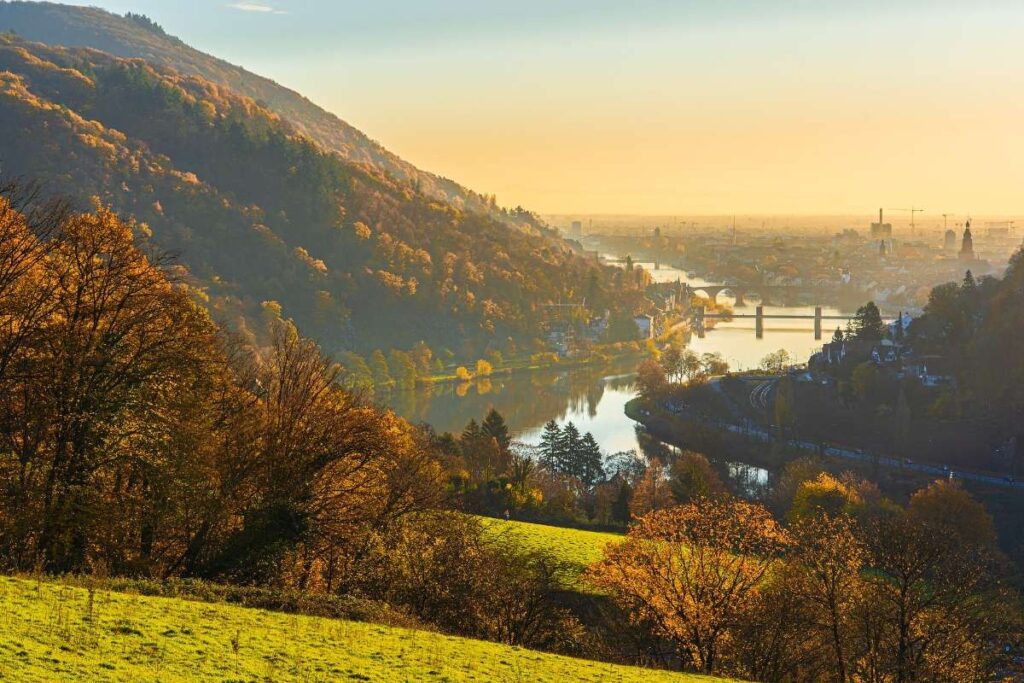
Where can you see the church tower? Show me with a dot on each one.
(967, 246)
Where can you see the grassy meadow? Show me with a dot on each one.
(54, 632)
(574, 546)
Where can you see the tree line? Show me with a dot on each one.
(843, 586)
(138, 439)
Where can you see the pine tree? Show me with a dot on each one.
(494, 426)
(867, 324)
(550, 446)
(591, 467)
(569, 450)
(471, 432)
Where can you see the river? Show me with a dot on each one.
(593, 398)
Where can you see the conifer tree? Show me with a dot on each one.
(494, 426)
(471, 432)
(569, 450)
(591, 468)
(550, 446)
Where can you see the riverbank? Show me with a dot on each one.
(681, 429)
(527, 365)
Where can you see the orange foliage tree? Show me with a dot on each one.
(692, 572)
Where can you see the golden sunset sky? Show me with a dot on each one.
(659, 107)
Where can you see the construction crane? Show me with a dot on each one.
(913, 210)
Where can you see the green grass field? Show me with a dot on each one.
(53, 632)
(574, 546)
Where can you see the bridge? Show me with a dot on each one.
(700, 316)
(768, 293)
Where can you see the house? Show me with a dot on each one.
(931, 370)
(857, 350)
(886, 353)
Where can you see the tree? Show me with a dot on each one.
(403, 369)
(776, 362)
(483, 368)
(867, 323)
(824, 496)
(570, 450)
(652, 492)
(691, 477)
(379, 369)
(713, 364)
(933, 608)
(837, 336)
(650, 378)
(826, 577)
(864, 381)
(471, 431)
(551, 446)
(494, 426)
(590, 469)
(692, 574)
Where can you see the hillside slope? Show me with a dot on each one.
(54, 632)
(257, 212)
(58, 24)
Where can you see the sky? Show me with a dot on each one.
(659, 106)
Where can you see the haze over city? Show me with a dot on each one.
(659, 107)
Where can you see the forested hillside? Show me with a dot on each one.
(136, 36)
(259, 213)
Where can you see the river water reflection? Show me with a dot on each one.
(594, 398)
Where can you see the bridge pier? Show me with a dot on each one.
(817, 323)
(759, 323)
(738, 293)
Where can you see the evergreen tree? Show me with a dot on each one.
(838, 336)
(471, 432)
(867, 323)
(550, 446)
(569, 450)
(591, 467)
(969, 282)
(494, 426)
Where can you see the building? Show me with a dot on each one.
(950, 243)
(967, 245)
(576, 230)
(645, 326)
(881, 230)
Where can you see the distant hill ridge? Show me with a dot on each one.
(134, 36)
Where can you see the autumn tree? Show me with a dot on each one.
(650, 378)
(691, 477)
(691, 573)
(825, 571)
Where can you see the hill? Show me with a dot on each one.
(258, 212)
(574, 546)
(57, 632)
(136, 36)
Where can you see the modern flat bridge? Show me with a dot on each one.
(700, 316)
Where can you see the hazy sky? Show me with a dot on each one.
(658, 106)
